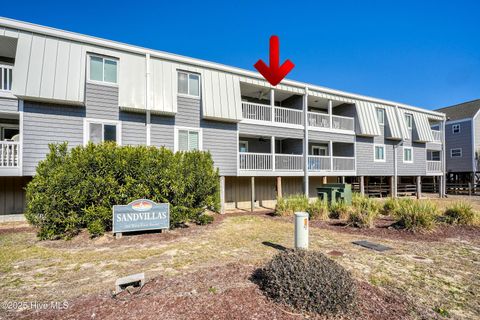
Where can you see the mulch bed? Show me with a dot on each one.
(222, 292)
(384, 229)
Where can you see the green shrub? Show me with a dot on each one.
(204, 219)
(77, 188)
(340, 210)
(364, 212)
(318, 209)
(390, 206)
(308, 281)
(461, 212)
(291, 204)
(416, 215)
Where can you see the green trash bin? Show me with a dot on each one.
(335, 192)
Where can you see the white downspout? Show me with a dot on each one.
(305, 142)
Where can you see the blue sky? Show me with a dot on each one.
(424, 53)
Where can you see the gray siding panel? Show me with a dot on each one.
(221, 140)
(162, 131)
(259, 130)
(47, 123)
(101, 102)
(188, 114)
(134, 131)
(366, 166)
(327, 136)
(8, 105)
(418, 167)
(461, 140)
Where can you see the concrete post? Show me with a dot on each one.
(279, 187)
(252, 201)
(324, 180)
(393, 186)
(441, 186)
(301, 230)
(362, 185)
(222, 194)
(272, 151)
(419, 187)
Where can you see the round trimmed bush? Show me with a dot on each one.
(308, 281)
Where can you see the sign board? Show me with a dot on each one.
(141, 215)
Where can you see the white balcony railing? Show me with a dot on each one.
(9, 152)
(287, 115)
(289, 162)
(343, 163)
(437, 137)
(319, 120)
(343, 123)
(319, 163)
(256, 111)
(255, 161)
(6, 77)
(434, 166)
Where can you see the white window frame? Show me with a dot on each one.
(86, 129)
(106, 83)
(200, 137)
(245, 142)
(409, 115)
(188, 95)
(382, 111)
(384, 153)
(456, 149)
(411, 154)
(456, 126)
(320, 148)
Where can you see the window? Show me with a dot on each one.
(455, 128)
(319, 150)
(9, 133)
(409, 120)
(98, 131)
(456, 153)
(188, 139)
(433, 156)
(103, 69)
(407, 155)
(243, 146)
(381, 116)
(189, 84)
(379, 152)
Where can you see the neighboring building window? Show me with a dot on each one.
(381, 116)
(409, 120)
(188, 139)
(456, 153)
(189, 84)
(379, 152)
(103, 69)
(98, 131)
(455, 128)
(243, 146)
(319, 151)
(407, 155)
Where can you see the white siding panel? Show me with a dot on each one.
(422, 126)
(163, 86)
(49, 63)
(403, 123)
(132, 81)
(221, 96)
(330, 96)
(393, 124)
(22, 59)
(367, 119)
(280, 86)
(35, 66)
(61, 71)
(75, 66)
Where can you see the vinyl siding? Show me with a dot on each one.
(8, 105)
(366, 166)
(221, 140)
(101, 102)
(12, 194)
(460, 140)
(188, 113)
(48, 123)
(327, 136)
(476, 149)
(162, 131)
(134, 131)
(418, 167)
(268, 131)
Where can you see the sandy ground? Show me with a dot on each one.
(206, 269)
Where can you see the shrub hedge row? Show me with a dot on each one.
(76, 188)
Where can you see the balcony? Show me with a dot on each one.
(263, 112)
(6, 78)
(437, 136)
(324, 120)
(434, 166)
(252, 161)
(331, 164)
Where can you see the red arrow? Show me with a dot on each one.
(274, 73)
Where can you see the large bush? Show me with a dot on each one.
(291, 204)
(364, 211)
(308, 281)
(340, 210)
(318, 209)
(415, 215)
(76, 189)
(461, 212)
